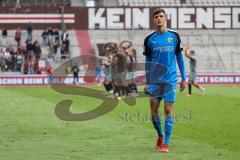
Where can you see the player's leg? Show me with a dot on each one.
(168, 126)
(168, 121)
(195, 84)
(189, 88)
(169, 99)
(199, 87)
(156, 120)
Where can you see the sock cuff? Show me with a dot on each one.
(169, 118)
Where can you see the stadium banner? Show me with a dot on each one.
(204, 17)
(41, 80)
(36, 18)
(37, 80)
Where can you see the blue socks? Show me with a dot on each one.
(157, 125)
(168, 128)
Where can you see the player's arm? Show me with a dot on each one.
(147, 53)
(187, 51)
(181, 65)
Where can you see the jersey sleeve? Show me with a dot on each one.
(179, 57)
(178, 44)
(147, 49)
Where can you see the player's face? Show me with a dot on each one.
(159, 19)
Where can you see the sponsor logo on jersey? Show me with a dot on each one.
(164, 49)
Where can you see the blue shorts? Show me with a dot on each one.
(162, 91)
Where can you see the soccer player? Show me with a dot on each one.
(190, 53)
(75, 70)
(162, 51)
(49, 74)
(118, 71)
(107, 78)
(131, 58)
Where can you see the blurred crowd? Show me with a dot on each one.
(26, 55)
(119, 65)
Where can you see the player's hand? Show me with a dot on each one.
(145, 89)
(182, 85)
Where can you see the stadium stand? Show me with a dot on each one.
(178, 2)
(35, 3)
(217, 50)
(47, 54)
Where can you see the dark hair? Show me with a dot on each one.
(157, 11)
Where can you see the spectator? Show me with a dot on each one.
(50, 36)
(55, 47)
(18, 4)
(7, 58)
(29, 47)
(64, 36)
(99, 72)
(66, 44)
(37, 50)
(45, 37)
(29, 31)
(37, 70)
(75, 70)
(18, 35)
(12, 64)
(31, 68)
(56, 36)
(49, 74)
(19, 60)
(49, 60)
(2, 59)
(4, 37)
(25, 67)
(68, 70)
(63, 52)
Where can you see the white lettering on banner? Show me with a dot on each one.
(33, 81)
(135, 17)
(42, 80)
(237, 79)
(9, 81)
(96, 18)
(222, 79)
(128, 19)
(172, 16)
(139, 18)
(202, 79)
(222, 17)
(68, 80)
(46, 80)
(113, 20)
(204, 18)
(184, 18)
(236, 17)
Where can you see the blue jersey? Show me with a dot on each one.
(162, 51)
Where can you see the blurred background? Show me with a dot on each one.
(40, 33)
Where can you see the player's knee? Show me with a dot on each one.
(168, 110)
(154, 111)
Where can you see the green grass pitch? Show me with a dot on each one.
(206, 127)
